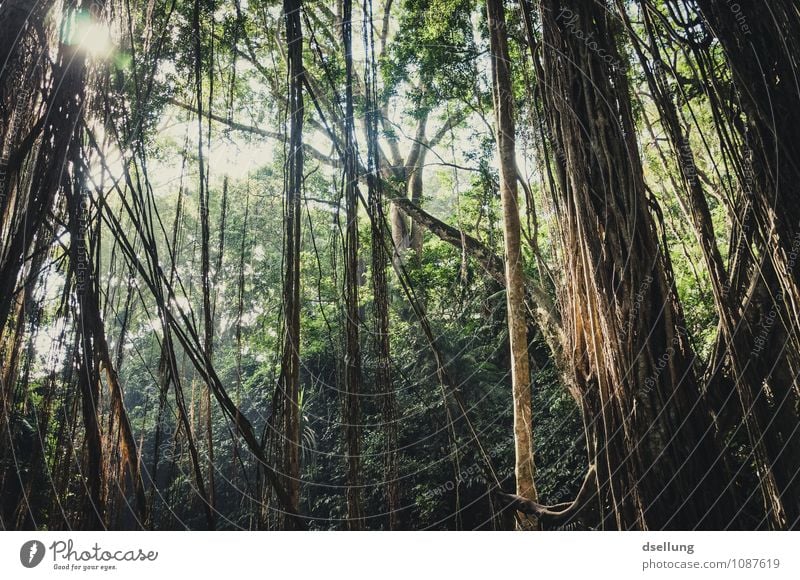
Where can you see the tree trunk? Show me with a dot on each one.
(649, 430)
(515, 287)
(290, 366)
(762, 49)
(205, 241)
(384, 385)
(352, 362)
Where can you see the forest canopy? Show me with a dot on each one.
(399, 264)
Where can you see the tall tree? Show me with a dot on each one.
(514, 274)
(384, 385)
(290, 362)
(760, 44)
(205, 242)
(650, 434)
(352, 361)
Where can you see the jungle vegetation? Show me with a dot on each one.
(399, 264)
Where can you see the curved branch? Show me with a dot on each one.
(559, 513)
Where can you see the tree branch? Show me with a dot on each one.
(557, 514)
(252, 130)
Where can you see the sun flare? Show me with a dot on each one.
(95, 40)
(90, 35)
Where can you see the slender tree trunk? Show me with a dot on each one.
(415, 169)
(290, 367)
(205, 242)
(95, 511)
(352, 366)
(515, 288)
(380, 287)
